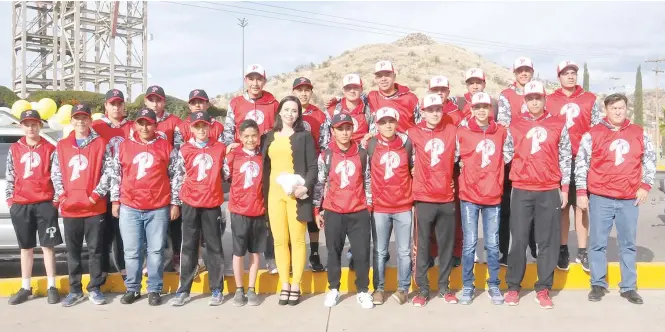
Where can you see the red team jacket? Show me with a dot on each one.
(166, 127)
(32, 172)
(433, 167)
(390, 174)
(263, 111)
(517, 105)
(615, 168)
(358, 116)
(202, 186)
(576, 111)
(313, 118)
(114, 136)
(404, 101)
(246, 171)
(345, 181)
(466, 110)
(145, 180)
(535, 164)
(481, 153)
(216, 130)
(452, 113)
(81, 170)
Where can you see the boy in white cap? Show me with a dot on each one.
(475, 80)
(581, 112)
(512, 105)
(440, 85)
(541, 142)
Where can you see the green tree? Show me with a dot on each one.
(7, 96)
(175, 106)
(585, 84)
(638, 108)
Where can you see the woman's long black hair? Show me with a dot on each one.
(297, 125)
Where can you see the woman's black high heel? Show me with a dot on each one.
(285, 293)
(296, 300)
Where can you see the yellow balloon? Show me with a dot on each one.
(97, 116)
(47, 108)
(19, 106)
(64, 114)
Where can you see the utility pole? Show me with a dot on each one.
(243, 22)
(657, 70)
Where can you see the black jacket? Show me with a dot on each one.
(304, 164)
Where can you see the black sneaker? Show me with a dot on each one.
(534, 252)
(130, 297)
(632, 297)
(457, 261)
(564, 259)
(596, 293)
(52, 296)
(21, 296)
(430, 262)
(503, 261)
(315, 262)
(583, 259)
(154, 299)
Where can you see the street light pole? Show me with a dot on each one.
(243, 22)
(658, 109)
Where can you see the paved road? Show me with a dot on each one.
(650, 238)
(572, 311)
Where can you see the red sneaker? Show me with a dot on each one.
(449, 297)
(544, 300)
(419, 301)
(512, 298)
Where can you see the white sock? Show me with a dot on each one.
(25, 283)
(51, 282)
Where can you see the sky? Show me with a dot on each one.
(198, 45)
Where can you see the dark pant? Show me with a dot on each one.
(358, 228)
(542, 209)
(440, 219)
(194, 221)
(504, 221)
(92, 230)
(270, 245)
(111, 236)
(175, 233)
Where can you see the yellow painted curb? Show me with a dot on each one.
(649, 276)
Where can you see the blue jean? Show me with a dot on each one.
(491, 214)
(603, 213)
(383, 224)
(138, 228)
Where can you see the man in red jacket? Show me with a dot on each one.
(155, 99)
(441, 86)
(540, 174)
(483, 150)
(244, 168)
(344, 175)
(202, 160)
(255, 104)
(114, 127)
(258, 105)
(581, 112)
(29, 195)
(391, 165)
(146, 174)
(314, 120)
(512, 105)
(81, 173)
(476, 81)
(618, 179)
(434, 196)
(198, 102)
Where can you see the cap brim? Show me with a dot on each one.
(480, 78)
(198, 97)
(476, 104)
(81, 112)
(33, 119)
(385, 116)
(303, 84)
(146, 118)
(384, 70)
(155, 94)
(199, 120)
(440, 86)
(254, 72)
(112, 99)
(522, 66)
(338, 124)
(534, 93)
(577, 68)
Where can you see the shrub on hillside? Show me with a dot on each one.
(93, 99)
(7, 96)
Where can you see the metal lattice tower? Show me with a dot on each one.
(79, 45)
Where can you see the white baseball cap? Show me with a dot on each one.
(256, 68)
(387, 112)
(565, 64)
(352, 79)
(481, 98)
(431, 100)
(474, 72)
(534, 87)
(439, 82)
(522, 62)
(384, 65)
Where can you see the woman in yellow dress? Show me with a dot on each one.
(289, 149)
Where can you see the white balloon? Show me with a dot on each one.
(54, 123)
(6, 109)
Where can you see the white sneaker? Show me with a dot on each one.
(365, 300)
(331, 298)
(475, 258)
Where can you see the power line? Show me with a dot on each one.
(392, 33)
(473, 40)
